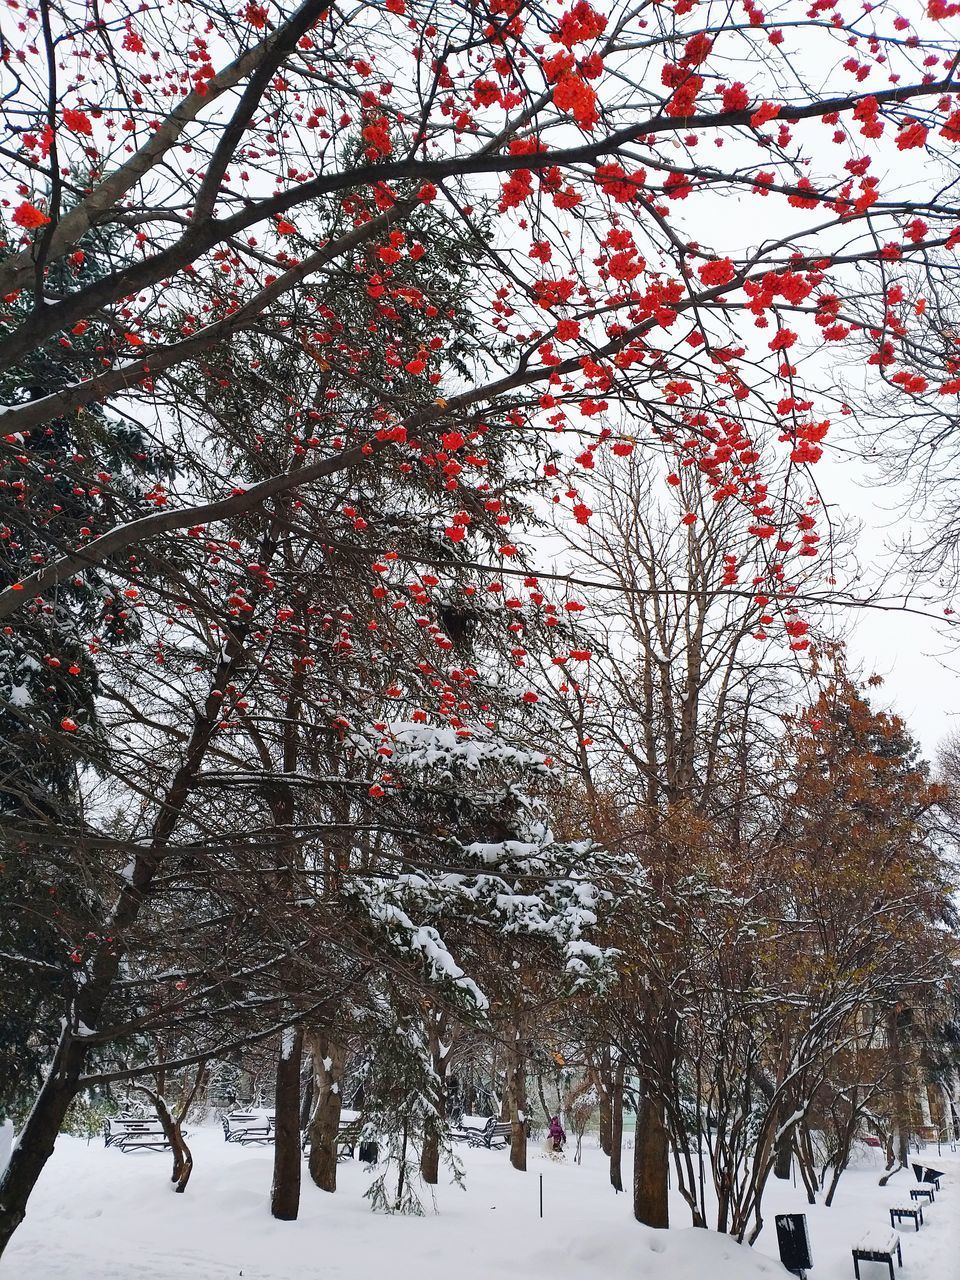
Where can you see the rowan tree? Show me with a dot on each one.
(282, 190)
(283, 717)
(231, 169)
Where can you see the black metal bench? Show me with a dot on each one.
(134, 1133)
(494, 1133)
(349, 1131)
(877, 1246)
(915, 1212)
(348, 1135)
(248, 1127)
(922, 1193)
(467, 1127)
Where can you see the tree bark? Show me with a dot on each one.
(439, 1037)
(328, 1061)
(784, 1158)
(517, 1098)
(34, 1145)
(505, 1097)
(306, 1094)
(898, 1089)
(285, 1193)
(604, 1079)
(650, 1165)
(430, 1157)
(806, 1162)
(838, 1169)
(616, 1125)
(605, 1122)
(182, 1156)
(172, 1124)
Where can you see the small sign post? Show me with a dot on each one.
(794, 1243)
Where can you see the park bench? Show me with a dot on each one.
(494, 1133)
(134, 1133)
(348, 1133)
(922, 1193)
(914, 1211)
(877, 1246)
(466, 1127)
(248, 1127)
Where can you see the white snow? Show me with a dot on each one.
(99, 1214)
(19, 696)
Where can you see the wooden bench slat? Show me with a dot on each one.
(878, 1242)
(247, 1127)
(133, 1133)
(914, 1212)
(493, 1131)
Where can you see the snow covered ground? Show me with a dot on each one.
(101, 1215)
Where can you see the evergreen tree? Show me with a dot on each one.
(60, 484)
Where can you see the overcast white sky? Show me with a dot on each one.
(919, 659)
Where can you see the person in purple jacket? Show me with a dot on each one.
(556, 1134)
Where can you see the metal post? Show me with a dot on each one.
(541, 1195)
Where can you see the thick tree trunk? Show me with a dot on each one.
(650, 1166)
(784, 1158)
(604, 1079)
(616, 1126)
(34, 1146)
(182, 1160)
(328, 1060)
(430, 1157)
(285, 1194)
(306, 1093)
(505, 1098)
(172, 1127)
(605, 1122)
(838, 1169)
(898, 1089)
(783, 1152)
(517, 1098)
(172, 1122)
(439, 1037)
